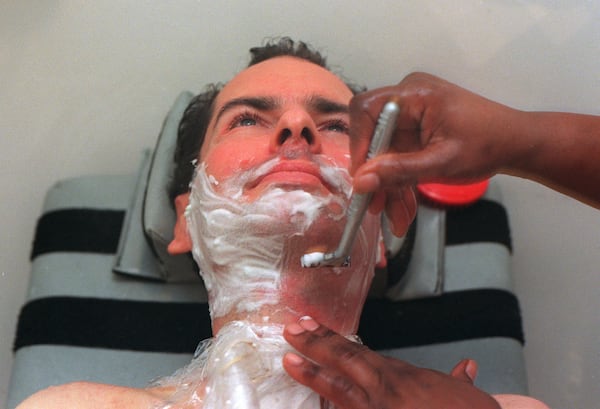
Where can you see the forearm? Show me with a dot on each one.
(446, 134)
(560, 150)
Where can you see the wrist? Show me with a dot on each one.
(520, 142)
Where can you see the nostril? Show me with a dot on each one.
(285, 134)
(307, 134)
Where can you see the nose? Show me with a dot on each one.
(296, 129)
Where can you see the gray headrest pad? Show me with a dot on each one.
(158, 214)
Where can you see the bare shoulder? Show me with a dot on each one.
(84, 395)
(519, 402)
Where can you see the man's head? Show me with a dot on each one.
(194, 124)
(271, 181)
(195, 120)
(282, 107)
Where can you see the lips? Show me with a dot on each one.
(292, 172)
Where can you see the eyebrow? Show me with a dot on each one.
(326, 106)
(258, 103)
(316, 103)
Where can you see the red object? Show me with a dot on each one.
(454, 195)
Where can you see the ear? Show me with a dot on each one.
(182, 242)
(381, 260)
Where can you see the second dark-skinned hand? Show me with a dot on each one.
(351, 376)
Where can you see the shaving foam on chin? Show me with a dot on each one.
(239, 244)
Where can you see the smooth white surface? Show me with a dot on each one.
(84, 86)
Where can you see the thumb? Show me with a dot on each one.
(465, 370)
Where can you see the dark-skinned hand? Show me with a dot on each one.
(444, 134)
(351, 376)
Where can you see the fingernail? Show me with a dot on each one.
(294, 359)
(294, 329)
(399, 228)
(367, 183)
(471, 370)
(308, 323)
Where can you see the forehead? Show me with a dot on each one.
(289, 78)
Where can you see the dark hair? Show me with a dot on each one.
(190, 137)
(195, 119)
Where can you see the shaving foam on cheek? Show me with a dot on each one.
(239, 245)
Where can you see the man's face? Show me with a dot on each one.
(286, 109)
(272, 185)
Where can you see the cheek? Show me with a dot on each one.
(338, 151)
(229, 158)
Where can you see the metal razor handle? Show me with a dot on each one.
(359, 203)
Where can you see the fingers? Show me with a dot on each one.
(400, 205)
(413, 95)
(387, 175)
(394, 170)
(338, 369)
(327, 348)
(377, 204)
(351, 376)
(401, 209)
(335, 388)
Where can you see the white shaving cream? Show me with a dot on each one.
(239, 245)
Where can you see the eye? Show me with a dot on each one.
(337, 125)
(244, 119)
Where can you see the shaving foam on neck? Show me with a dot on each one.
(240, 369)
(239, 244)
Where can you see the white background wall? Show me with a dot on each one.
(84, 87)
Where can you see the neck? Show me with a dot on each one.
(241, 368)
(333, 297)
